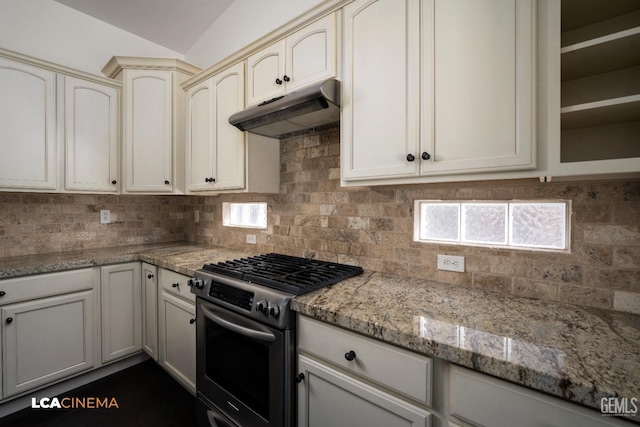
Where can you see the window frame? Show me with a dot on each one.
(418, 235)
(226, 215)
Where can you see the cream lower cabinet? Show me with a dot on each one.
(121, 303)
(150, 310)
(434, 87)
(487, 401)
(47, 329)
(177, 328)
(351, 380)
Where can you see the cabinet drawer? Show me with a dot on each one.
(175, 284)
(406, 372)
(44, 285)
(484, 400)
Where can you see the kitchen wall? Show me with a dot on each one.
(242, 23)
(373, 227)
(54, 32)
(40, 223)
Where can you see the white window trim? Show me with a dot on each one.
(417, 222)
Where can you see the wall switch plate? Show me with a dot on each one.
(251, 239)
(196, 216)
(451, 263)
(105, 217)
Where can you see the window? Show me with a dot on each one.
(248, 215)
(521, 224)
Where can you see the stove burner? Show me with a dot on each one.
(285, 273)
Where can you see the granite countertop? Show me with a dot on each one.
(576, 353)
(579, 354)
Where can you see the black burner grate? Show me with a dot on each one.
(286, 273)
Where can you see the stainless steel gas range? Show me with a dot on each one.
(245, 346)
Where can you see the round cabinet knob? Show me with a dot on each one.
(9, 320)
(166, 182)
(351, 355)
(286, 78)
(299, 377)
(410, 157)
(149, 276)
(426, 156)
(192, 321)
(175, 285)
(114, 182)
(2, 293)
(278, 81)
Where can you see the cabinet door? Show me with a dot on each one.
(380, 89)
(327, 397)
(150, 310)
(480, 116)
(121, 311)
(178, 339)
(311, 53)
(264, 70)
(46, 340)
(229, 141)
(27, 126)
(148, 126)
(200, 143)
(91, 136)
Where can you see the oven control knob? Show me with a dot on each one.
(262, 307)
(196, 283)
(274, 310)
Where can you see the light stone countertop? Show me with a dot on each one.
(576, 353)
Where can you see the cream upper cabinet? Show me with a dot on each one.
(435, 87)
(215, 149)
(380, 89)
(594, 116)
(304, 57)
(219, 157)
(28, 127)
(153, 122)
(91, 117)
(478, 87)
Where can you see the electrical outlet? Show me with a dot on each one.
(251, 239)
(451, 263)
(105, 217)
(196, 216)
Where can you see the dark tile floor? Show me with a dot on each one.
(145, 393)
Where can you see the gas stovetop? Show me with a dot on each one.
(285, 273)
(261, 287)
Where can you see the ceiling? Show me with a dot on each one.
(175, 24)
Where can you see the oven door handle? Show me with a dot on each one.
(219, 319)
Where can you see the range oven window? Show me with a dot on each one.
(240, 365)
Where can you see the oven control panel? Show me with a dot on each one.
(232, 295)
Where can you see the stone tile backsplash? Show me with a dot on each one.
(371, 227)
(40, 223)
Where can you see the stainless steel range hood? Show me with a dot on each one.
(315, 105)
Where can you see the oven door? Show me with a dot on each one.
(243, 367)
